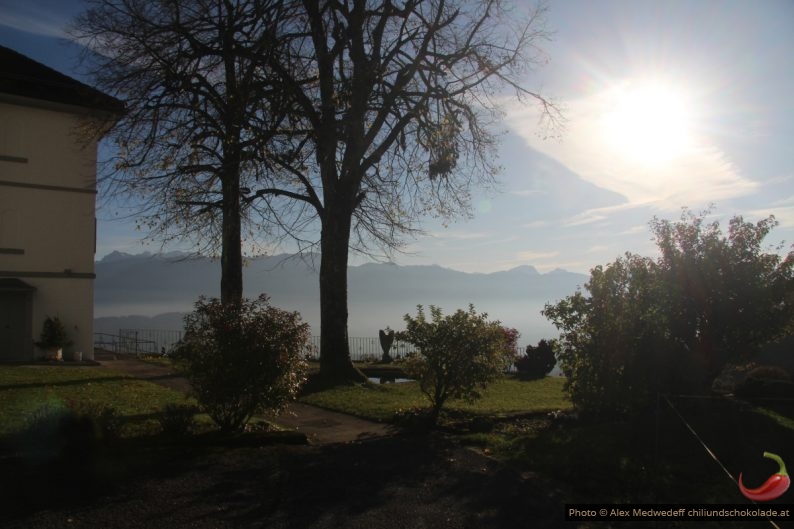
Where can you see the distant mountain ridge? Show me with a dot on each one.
(158, 288)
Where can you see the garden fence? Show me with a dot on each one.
(363, 349)
(157, 341)
(138, 341)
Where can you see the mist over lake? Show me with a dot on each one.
(152, 291)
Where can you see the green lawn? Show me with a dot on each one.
(781, 419)
(649, 458)
(26, 389)
(506, 396)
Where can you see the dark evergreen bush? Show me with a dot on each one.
(538, 361)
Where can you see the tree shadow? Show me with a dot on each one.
(80, 382)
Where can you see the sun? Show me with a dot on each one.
(647, 122)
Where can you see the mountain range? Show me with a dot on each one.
(153, 291)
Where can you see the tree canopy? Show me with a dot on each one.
(201, 113)
(671, 323)
(351, 118)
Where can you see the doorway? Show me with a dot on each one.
(16, 320)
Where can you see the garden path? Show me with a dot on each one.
(319, 425)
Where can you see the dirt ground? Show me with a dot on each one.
(392, 482)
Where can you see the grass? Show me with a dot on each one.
(506, 396)
(511, 396)
(783, 420)
(26, 389)
(650, 458)
(160, 360)
(375, 402)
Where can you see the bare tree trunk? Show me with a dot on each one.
(336, 366)
(231, 253)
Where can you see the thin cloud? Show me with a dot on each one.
(635, 230)
(591, 216)
(783, 214)
(779, 180)
(588, 217)
(597, 248)
(536, 224)
(529, 255)
(459, 235)
(526, 192)
(43, 23)
(788, 201)
(700, 174)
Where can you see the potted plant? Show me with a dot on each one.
(53, 338)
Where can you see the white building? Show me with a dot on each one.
(47, 204)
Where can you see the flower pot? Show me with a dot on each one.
(54, 353)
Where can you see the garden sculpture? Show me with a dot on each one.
(386, 340)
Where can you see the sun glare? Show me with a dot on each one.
(647, 122)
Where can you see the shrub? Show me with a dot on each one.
(614, 350)
(458, 355)
(672, 323)
(242, 359)
(766, 382)
(177, 420)
(768, 373)
(538, 361)
(511, 337)
(53, 333)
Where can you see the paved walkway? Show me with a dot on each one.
(319, 425)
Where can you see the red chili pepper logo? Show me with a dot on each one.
(776, 485)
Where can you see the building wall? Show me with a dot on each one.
(47, 214)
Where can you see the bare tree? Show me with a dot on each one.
(400, 99)
(200, 112)
(351, 117)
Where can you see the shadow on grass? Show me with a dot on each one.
(654, 458)
(222, 480)
(63, 472)
(79, 382)
(423, 480)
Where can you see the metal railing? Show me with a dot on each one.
(138, 341)
(162, 339)
(363, 349)
(117, 344)
(157, 341)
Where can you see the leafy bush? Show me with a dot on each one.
(242, 359)
(612, 340)
(53, 333)
(538, 361)
(766, 382)
(458, 355)
(768, 373)
(511, 337)
(672, 323)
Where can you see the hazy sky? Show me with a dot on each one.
(667, 104)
